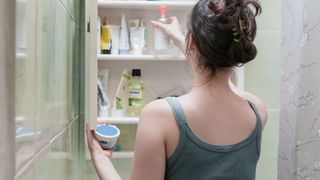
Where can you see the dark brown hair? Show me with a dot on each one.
(223, 32)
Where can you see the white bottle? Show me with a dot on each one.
(124, 37)
(161, 40)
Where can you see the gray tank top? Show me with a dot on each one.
(195, 159)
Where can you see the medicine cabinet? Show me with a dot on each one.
(163, 75)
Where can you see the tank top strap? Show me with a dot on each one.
(256, 111)
(259, 125)
(177, 110)
(182, 124)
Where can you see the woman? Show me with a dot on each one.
(214, 131)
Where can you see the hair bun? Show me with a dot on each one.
(223, 32)
(216, 5)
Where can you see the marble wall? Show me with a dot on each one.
(299, 156)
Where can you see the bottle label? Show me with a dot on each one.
(105, 38)
(137, 94)
(137, 37)
(161, 40)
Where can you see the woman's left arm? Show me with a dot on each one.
(149, 160)
(101, 158)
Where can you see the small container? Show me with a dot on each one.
(107, 135)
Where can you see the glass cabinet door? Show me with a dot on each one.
(91, 63)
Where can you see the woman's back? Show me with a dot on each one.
(198, 156)
(161, 151)
(222, 120)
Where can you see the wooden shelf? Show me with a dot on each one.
(120, 120)
(145, 4)
(140, 58)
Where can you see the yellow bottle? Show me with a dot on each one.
(105, 37)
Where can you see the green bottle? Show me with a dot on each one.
(135, 94)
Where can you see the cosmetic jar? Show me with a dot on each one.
(107, 135)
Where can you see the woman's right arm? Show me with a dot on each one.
(173, 30)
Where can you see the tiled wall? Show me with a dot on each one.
(47, 89)
(262, 78)
(7, 61)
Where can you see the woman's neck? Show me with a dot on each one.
(218, 86)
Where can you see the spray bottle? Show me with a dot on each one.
(161, 40)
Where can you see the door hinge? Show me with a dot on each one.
(88, 27)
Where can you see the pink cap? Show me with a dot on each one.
(163, 10)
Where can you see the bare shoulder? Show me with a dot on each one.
(156, 109)
(262, 108)
(156, 114)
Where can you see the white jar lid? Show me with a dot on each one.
(107, 133)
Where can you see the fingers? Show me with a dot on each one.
(154, 23)
(89, 137)
(87, 126)
(90, 134)
(93, 144)
(157, 24)
(173, 19)
(87, 130)
(109, 152)
(103, 122)
(161, 25)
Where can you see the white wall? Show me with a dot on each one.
(262, 78)
(7, 58)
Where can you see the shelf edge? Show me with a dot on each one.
(120, 120)
(145, 4)
(140, 58)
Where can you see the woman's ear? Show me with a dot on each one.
(190, 46)
(191, 53)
